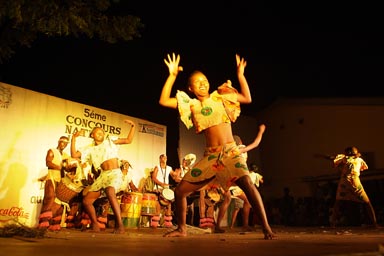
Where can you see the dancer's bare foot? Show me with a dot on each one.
(247, 229)
(219, 230)
(176, 233)
(373, 226)
(94, 229)
(119, 230)
(268, 234)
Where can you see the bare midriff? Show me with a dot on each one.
(218, 135)
(110, 164)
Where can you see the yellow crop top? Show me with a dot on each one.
(221, 107)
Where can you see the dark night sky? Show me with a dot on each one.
(300, 49)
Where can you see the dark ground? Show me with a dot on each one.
(296, 241)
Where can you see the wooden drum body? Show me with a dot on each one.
(131, 204)
(148, 204)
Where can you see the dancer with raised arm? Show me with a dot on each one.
(212, 114)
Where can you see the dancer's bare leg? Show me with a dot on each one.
(254, 198)
(202, 206)
(371, 214)
(111, 195)
(222, 210)
(183, 189)
(192, 210)
(335, 214)
(49, 195)
(88, 201)
(168, 210)
(234, 216)
(246, 210)
(46, 208)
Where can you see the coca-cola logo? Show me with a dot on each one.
(13, 212)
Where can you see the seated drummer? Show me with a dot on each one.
(128, 184)
(160, 177)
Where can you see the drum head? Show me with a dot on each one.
(168, 194)
(214, 195)
(190, 158)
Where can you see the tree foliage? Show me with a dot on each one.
(24, 21)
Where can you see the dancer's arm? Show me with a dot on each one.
(165, 97)
(244, 95)
(257, 140)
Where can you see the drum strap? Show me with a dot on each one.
(66, 209)
(163, 172)
(54, 184)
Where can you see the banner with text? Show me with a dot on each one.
(32, 123)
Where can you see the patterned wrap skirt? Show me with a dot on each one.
(225, 163)
(108, 178)
(351, 189)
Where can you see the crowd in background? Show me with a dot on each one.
(316, 210)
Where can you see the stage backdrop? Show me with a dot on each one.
(32, 122)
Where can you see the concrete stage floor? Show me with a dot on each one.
(308, 241)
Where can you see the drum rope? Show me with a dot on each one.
(66, 209)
